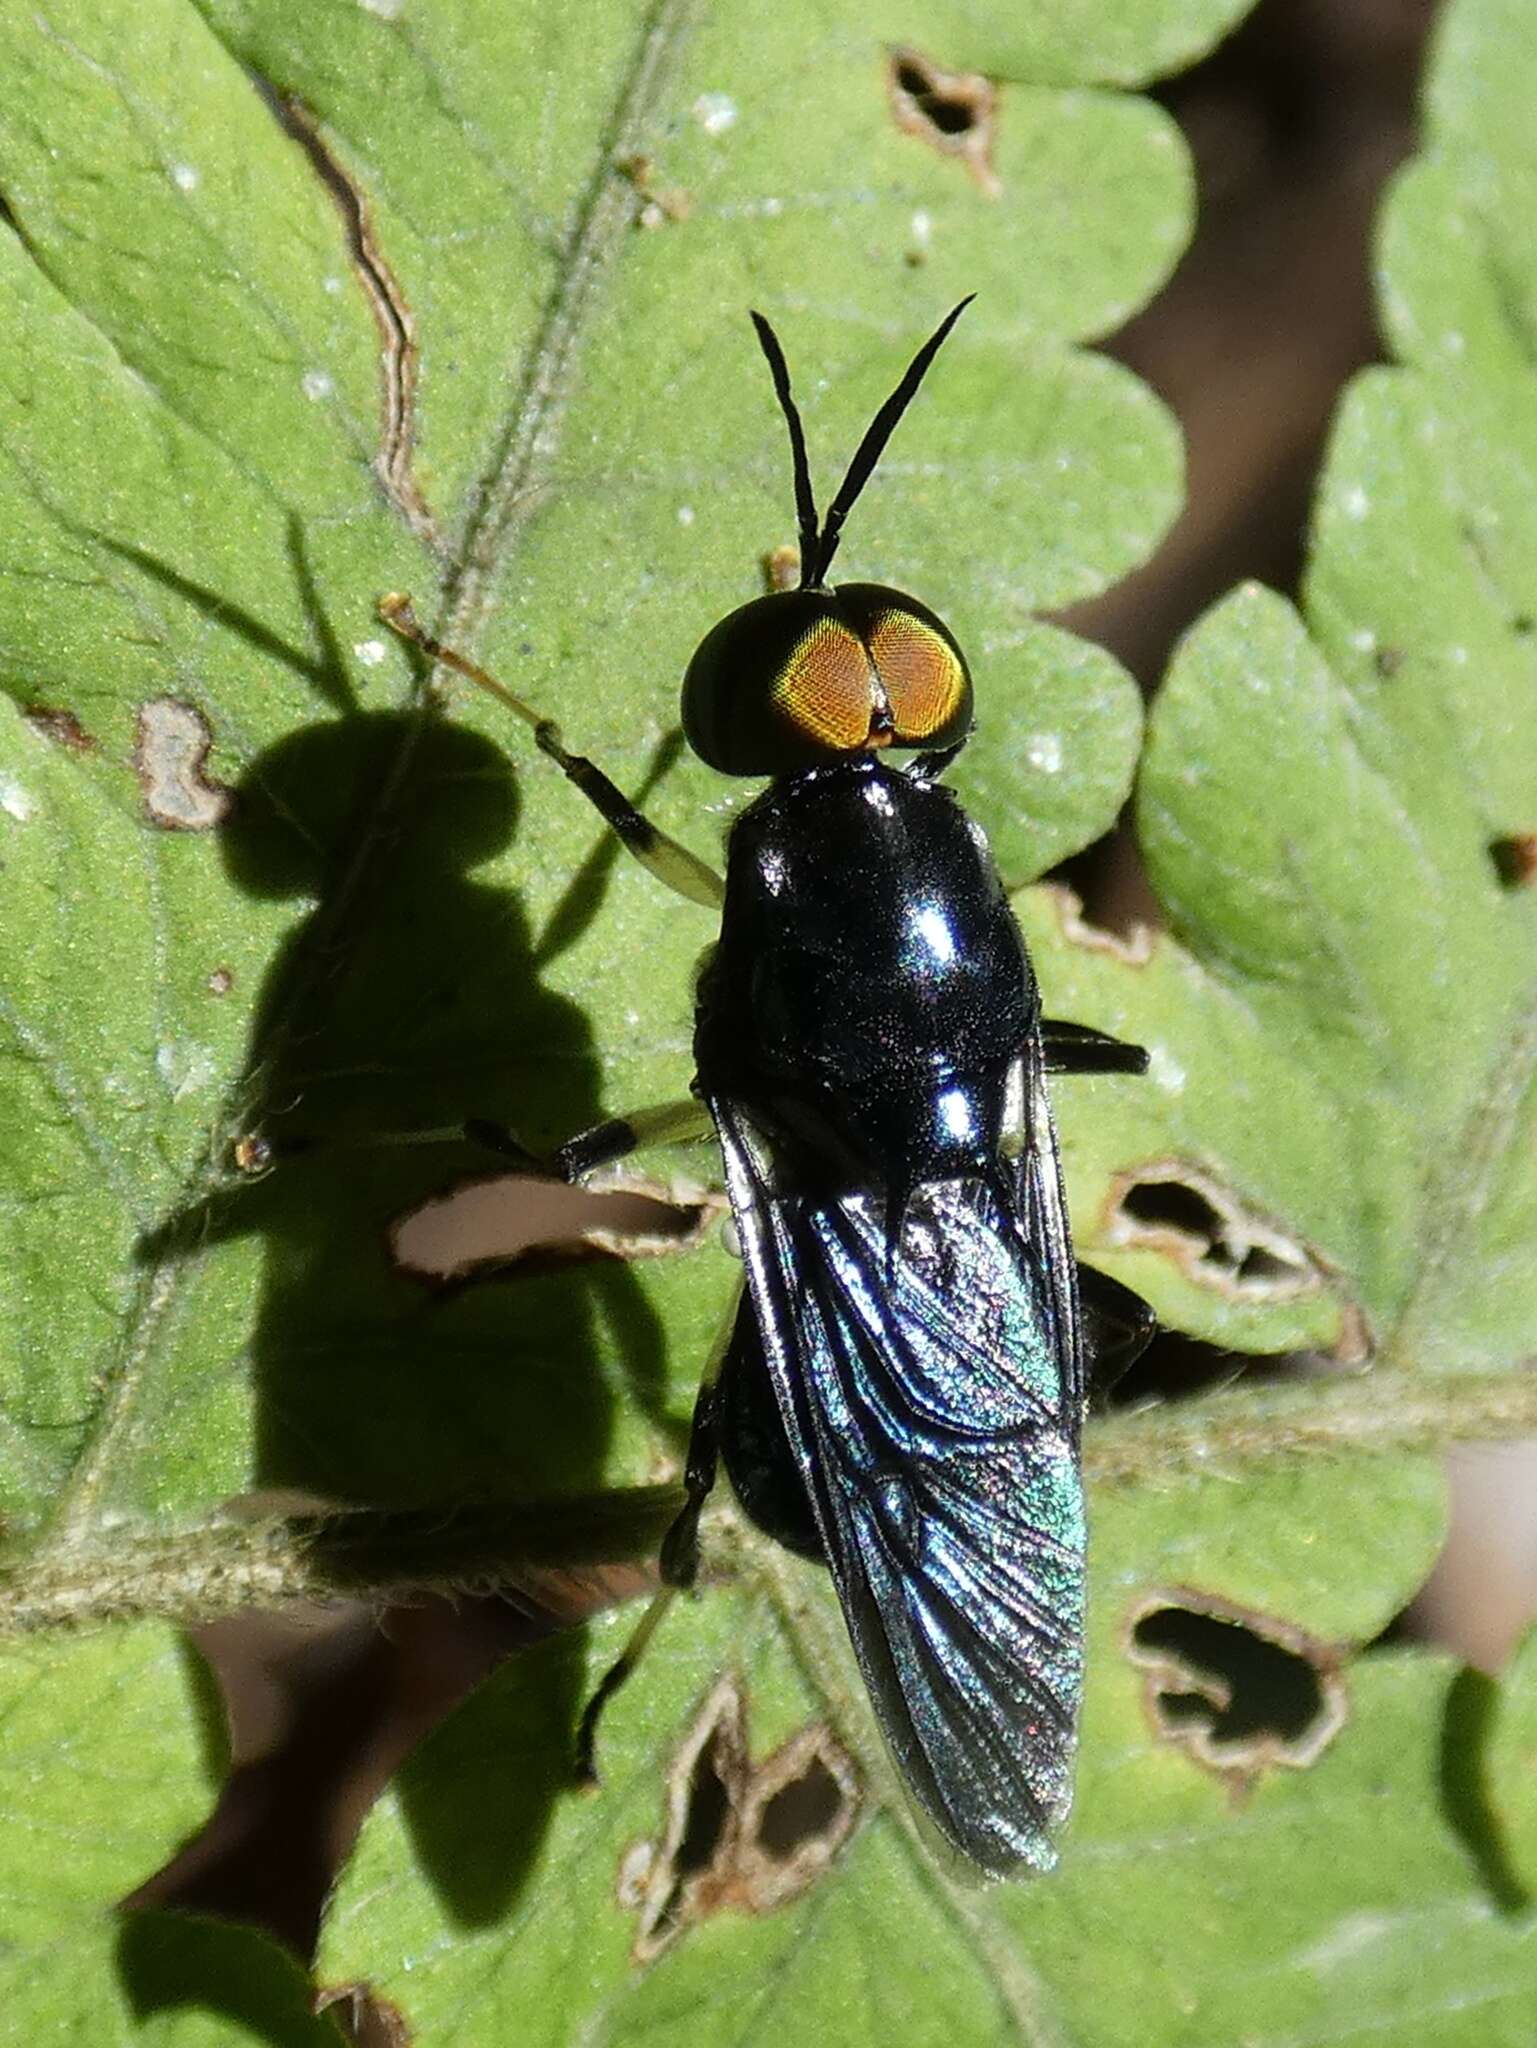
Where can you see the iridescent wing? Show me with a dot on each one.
(932, 1398)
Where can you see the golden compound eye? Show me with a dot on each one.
(920, 673)
(825, 688)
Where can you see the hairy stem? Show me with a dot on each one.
(195, 1575)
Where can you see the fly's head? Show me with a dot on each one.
(802, 678)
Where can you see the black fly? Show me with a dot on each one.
(904, 1387)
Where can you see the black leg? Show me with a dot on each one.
(585, 1767)
(1075, 1049)
(615, 1138)
(679, 1561)
(1118, 1326)
(680, 1546)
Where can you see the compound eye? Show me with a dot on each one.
(823, 689)
(921, 674)
(920, 668)
(782, 683)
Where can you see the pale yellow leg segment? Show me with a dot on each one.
(666, 858)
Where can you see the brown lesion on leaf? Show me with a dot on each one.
(737, 1836)
(1178, 1209)
(490, 1223)
(57, 723)
(659, 204)
(1515, 859)
(220, 981)
(1239, 1691)
(172, 742)
(955, 112)
(1134, 948)
(399, 354)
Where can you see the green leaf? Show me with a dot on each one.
(112, 1746)
(1344, 1051)
(406, 326)
(1281, 1834)
(1192, 1903)
(311, 302)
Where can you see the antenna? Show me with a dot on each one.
(819, 542)
(871, 448)
(805, 503)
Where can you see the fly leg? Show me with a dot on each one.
(665, 1123)
(1076, 1049)
(679, 1560)
(1118, 1325)
(665, 857)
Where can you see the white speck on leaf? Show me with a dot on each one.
(685, 515)
(184, 1066)
(370, 652)
(1356, 503)
(1454, 341)
(1349, 1938)
(316, 384)
(1364, 640)
(1458, 656)
(15, 801)
(715, 112)
(185, 177)
(1044, 751)
(1165, 1070)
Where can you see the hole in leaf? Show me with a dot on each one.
(709, 1808)
(1178, 1209)
(171, 747)
(1168, 1205)
(800, 1811)
(739, 1837)
(801, 1807)
(512, 1219)
(1515, 859)
(674, 1882)
(951, 116)
(1242, 1692)
(952, 111)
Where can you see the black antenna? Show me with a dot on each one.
(805, 503)
(870, 449)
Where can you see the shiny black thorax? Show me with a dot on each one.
(870, 991)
